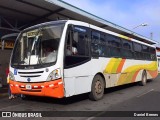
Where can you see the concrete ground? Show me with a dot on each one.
(126, 98)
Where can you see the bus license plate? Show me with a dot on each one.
(28, 87)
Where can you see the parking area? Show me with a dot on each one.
(123, 98)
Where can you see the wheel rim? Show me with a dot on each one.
(98, 87)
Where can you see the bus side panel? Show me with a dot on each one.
(152, 74)
(158, 60)
(114, 71)
(120, 71)
(69, 86)
(79, 79)
(134, 70)
(83, 84)
(77, 85)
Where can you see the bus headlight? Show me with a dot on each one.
(55, 74)
(11, 76)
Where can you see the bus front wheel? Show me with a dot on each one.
(144, 79)
(97, 88)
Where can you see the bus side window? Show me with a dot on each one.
(138, 51)
(152, 54)
(71, 44)
(95, 47)
(115, 45)
(77, 48)
(127, 49)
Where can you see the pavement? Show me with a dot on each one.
(127, 100)
(3, 91)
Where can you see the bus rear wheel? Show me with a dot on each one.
(97, 89)
(143, 82)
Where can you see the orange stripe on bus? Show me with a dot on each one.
(153, 73)
(135, 75)
(121, 65)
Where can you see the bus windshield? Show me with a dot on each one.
(37, 46)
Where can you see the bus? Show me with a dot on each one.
(68, 57)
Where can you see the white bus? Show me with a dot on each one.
(65, 58)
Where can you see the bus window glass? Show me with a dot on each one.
(115, 45)
(77, 48)
(95, 48)
(137, 47)
(145, 49)
(104, 49)
(153, 54)
(114, 41)
(138, 51)
(127, 44)
(152, 50)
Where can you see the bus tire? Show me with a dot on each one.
(143, 82)
(97, 88)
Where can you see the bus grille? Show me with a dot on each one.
(30, 74)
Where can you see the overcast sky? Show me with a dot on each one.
(126, 13)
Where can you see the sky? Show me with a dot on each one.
(126, 13)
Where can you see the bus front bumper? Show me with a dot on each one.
(51, 89)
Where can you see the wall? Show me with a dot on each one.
(4, 61)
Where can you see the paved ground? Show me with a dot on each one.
(124, 98)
